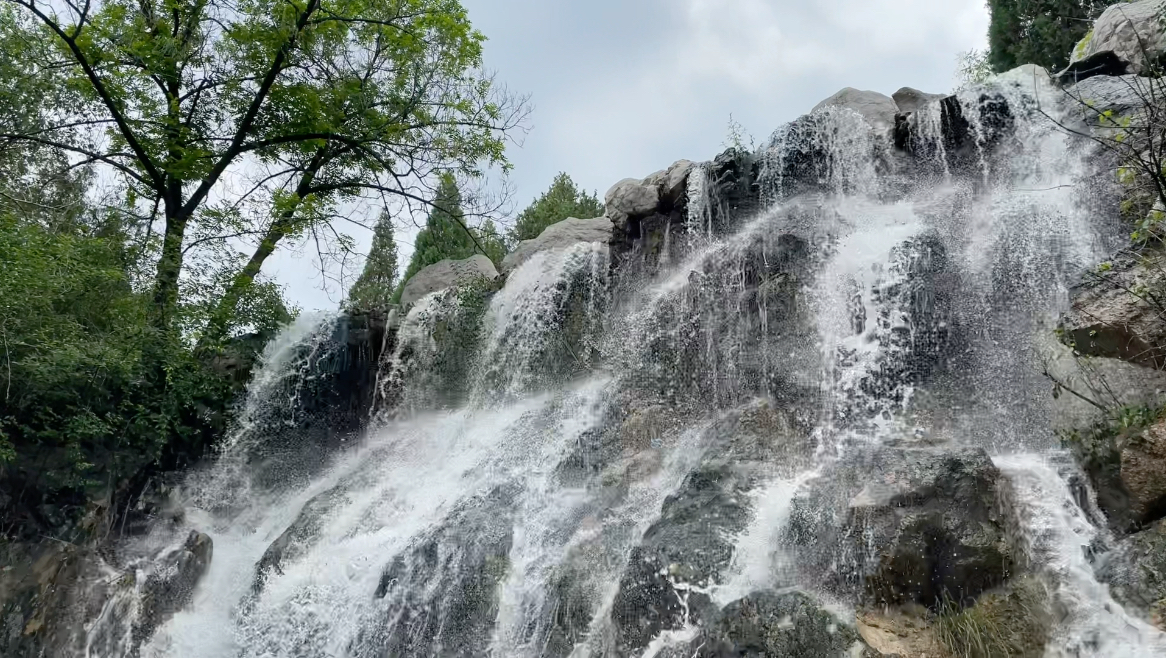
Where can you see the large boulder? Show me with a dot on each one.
(1136, 573)
(1125, 467)
(902, 525)
(909, 100)
(692, 544)
(569, 232)
(878, 110)
(1131, 30)
(1120, 95)
(445, 274)
(170, 583)
(440, 596)
(767, 624)
(631, 197)
(1111, 318)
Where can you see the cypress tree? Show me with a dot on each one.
(1040, 32)
(375, 287)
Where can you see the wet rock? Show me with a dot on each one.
(447, 273)
(1133, 31)
(1136, 573)
(893, 526)
(299, 536)
(692, 543)
(304, 419)
(440, 597)
(1143, 471)
(170, 584)
(1125, 467)
(1118, 313)
(878, 110)
(569, 232)
(909, 100)
(766, 624)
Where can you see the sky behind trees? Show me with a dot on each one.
(622, 88)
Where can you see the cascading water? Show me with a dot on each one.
(612, 461)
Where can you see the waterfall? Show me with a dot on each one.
(598, 460)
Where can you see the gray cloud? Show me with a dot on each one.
(624, 87)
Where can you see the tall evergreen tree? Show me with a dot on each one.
(561, 201)
(444, 235)
(492, 243)
(375, 287)
(1040, 32)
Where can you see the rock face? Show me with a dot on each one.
(171, 584)
(692, 543)
(878, 110)
(462, 561)
(1108, 318)
(631, 198)
(560, 235)
(1117, 94)
(767, 624)
(905, 525)
(1131, 30)
(909, 100)
(1143, 471)
(446, 273)
(1136, 573)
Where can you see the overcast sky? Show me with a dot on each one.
(623, 88)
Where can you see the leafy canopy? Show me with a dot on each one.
(561, 201)
(259, 121)
(1040, 32)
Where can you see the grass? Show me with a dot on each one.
(1009, 623)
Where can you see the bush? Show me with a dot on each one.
(89, 394)
(1011, 623)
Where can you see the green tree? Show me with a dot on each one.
(491, 242)
(198, 107)
(375, 287)
(444, 235)
(561, 201)
(1040, 32)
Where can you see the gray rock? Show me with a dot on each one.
(631, 198)
(909, 100)
(439, 597)
(878, 109)
(897, 526)
(1118, 94)
(170, 584)
(1110, 318)
(446, 273)
(674, 182)
(766, 624)
(691, 545)
(1131, 30)
(1136, 573)
(569, 232)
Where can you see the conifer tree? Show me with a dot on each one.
(561, 201)
(375, 287)
(1040, 32)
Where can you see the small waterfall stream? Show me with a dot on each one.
(519, 497)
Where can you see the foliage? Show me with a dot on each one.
(1043, 32)
(491, 242)
(1012, 623)
(561, 201)
(973, 67)
(374, 288)
(81, 409)
(739, 139)
(224, 122)
(444, 235)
